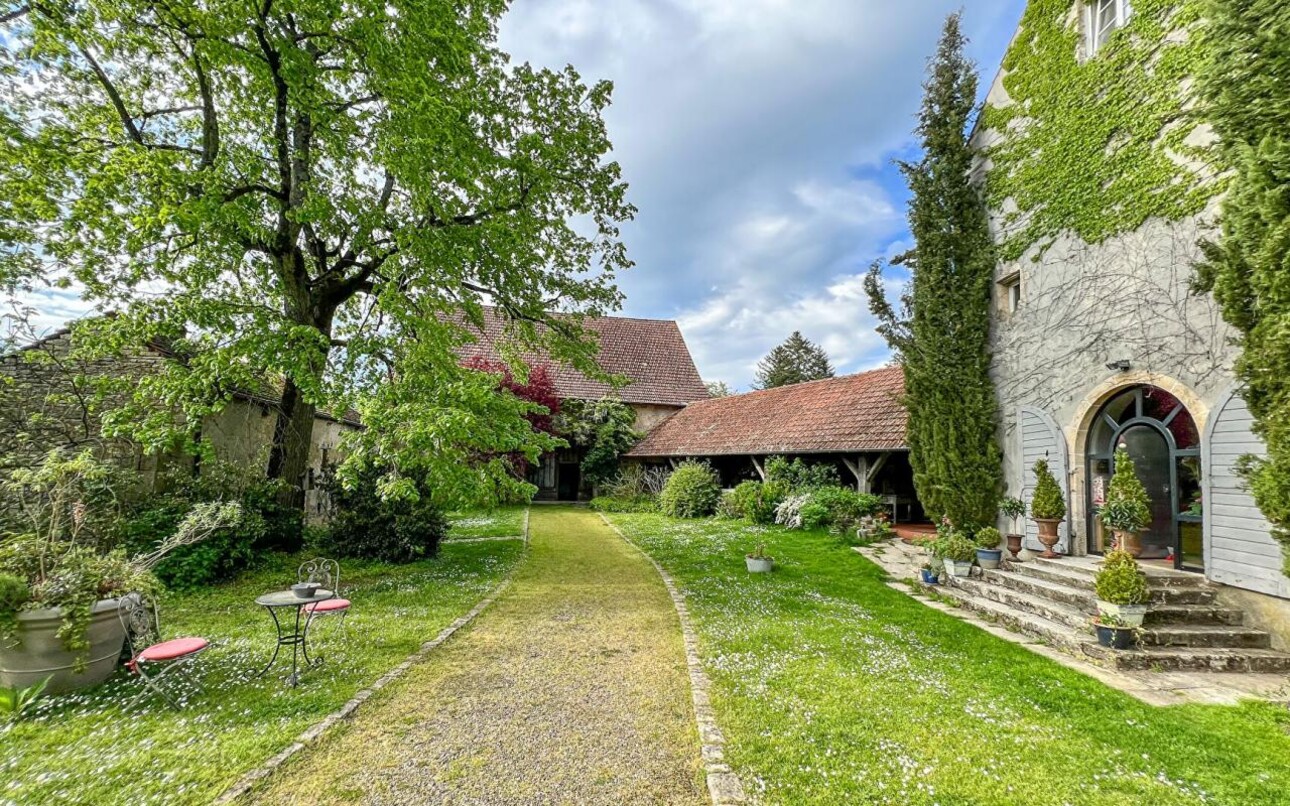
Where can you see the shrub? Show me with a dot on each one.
(799, 476)
(1127, 507)
(1120, 581)
(789, 511)
(692, 491)
(756, 501)
(266, 524)
(608, 503)
(366, 526)
(815, 515)
(839, 507)
(954, 545)
(636, 481)
(14, 593)
(727, 507)
(988, 537)
(1046, 503)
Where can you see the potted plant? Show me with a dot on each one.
(1014, 509)
(58, 589)
(1047, 508)
(988, 553)
(956, 551)
(931, 571)
(758, 561)
(1121, 588)
(1127, 510)
(1114, 633)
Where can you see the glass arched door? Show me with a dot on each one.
(1161, 437)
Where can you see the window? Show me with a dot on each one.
(1010, 292)
(1104, 17)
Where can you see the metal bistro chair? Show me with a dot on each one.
(142, 626)
(326, 573)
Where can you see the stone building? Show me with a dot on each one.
(1100, 188)
(650, 354)
(49, 398)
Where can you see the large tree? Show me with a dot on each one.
(797, 360)
(312, 195)
(1245, 96)
(941, 331)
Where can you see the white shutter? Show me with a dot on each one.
(1239, 548)
(1042, 439)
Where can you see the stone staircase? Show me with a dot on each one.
(1186, 629)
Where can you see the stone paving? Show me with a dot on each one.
(572, 688)
(901, 561)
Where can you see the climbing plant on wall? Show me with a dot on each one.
(1245, 92)
(1097, 145)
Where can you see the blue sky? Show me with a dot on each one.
(757, 137)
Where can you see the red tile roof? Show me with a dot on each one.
(850, 414)
(651, 353)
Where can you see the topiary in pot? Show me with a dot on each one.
(1014, 509)
(988, 553)
(956, 550)
(1127, 510)
(1047, 508)
(1121, 587)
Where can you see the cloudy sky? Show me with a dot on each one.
(757, 137)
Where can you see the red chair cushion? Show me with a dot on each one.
(176, 648)
(328, 606)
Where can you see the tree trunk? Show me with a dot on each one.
(292, 439)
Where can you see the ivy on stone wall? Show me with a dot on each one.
(1097, 146)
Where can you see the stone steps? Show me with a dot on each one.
(1185, 628)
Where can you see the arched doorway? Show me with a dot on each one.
(1161, 436)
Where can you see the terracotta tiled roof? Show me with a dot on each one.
(849, 414)
(649, 352)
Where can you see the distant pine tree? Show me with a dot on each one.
(941, 332)
(795, 361)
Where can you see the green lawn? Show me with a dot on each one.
(499, 522)
(87, 748)
(833, 688)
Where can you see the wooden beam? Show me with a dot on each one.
(761, 471)
(877, 466)
(860, 469)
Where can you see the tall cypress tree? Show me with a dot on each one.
(941, 331)
(1245, 96)
(797, 360)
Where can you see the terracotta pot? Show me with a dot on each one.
(1129, 541)
(1048, 536)
(1014, 546)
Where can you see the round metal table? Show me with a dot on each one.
(298, 637)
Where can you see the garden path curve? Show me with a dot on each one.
(572, 688)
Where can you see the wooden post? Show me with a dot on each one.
(860, 469)
(761, 471)
(873, 471)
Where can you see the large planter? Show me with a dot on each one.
(39, 653)
(1014, 547)
(989, 558)
(1048, 536)
(1116, 637)
(759, 565)
(1132, 615)
(1129, 541)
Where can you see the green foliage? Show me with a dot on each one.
(796, 360)
(1093, 145)
(799, 475)
(606, 428)
(987, 537)
(635, 481)
(1245, 96)
(605, 503)
(14, 593)
(941, 332)
(1120, 581)
(318, 199)
(839, 508)
(718, 389)
(1046, 502)
(954, 545)
(1014, 509)
(16, 702)
(366, 525)
(266, 524)
(756, 501)
(1127, 507)
(692, 491)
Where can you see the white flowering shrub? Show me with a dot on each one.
(789, 511)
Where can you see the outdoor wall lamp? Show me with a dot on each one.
(1119, 366)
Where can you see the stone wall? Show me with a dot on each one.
(648, 415)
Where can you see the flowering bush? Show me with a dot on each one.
(789, 511)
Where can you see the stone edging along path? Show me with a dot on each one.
(724, 785)
(317, 731)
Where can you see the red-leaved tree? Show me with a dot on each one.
(540, 389)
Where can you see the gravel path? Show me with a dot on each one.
(571, 689)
